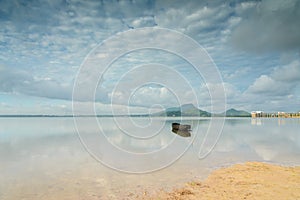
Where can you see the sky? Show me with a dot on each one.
(45, 47)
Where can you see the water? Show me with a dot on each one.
(45, 158)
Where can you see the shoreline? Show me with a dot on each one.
(250, 180)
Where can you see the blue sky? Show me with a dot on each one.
(254, 44)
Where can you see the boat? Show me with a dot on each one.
(179, 126)
(182, 130)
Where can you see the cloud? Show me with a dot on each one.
(289, 73)
(202, 20)
(267, 86)
(10, 79)
(149, 95)
(269, 26)
(278, 90)
(280, 82)
(150, 84)
(23, 82)
(43, 43)
(25, 104)
(237, 74)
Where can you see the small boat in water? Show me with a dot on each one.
(181, 129)
(181, 126)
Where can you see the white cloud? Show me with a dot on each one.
(150, 84)
(276, 91)
(266, 85)
(280, 82)
(149, 96)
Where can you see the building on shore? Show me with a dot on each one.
(255, 114)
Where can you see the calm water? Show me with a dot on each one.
(45, 158)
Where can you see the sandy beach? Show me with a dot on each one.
(251, 180)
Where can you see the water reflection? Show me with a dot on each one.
(280, 121)
(37, 147)
(261, 139)
(256, 121)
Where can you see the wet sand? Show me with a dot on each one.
(251, 180)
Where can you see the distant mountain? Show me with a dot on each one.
(184, 110)
(191, 111)
(236, 113)
(188, 110)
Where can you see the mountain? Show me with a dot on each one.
(189, 110)
(184, 110)
(236, 113)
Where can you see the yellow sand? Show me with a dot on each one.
(252, 180)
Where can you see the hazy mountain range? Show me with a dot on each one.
(186, 110)
(191, 110)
